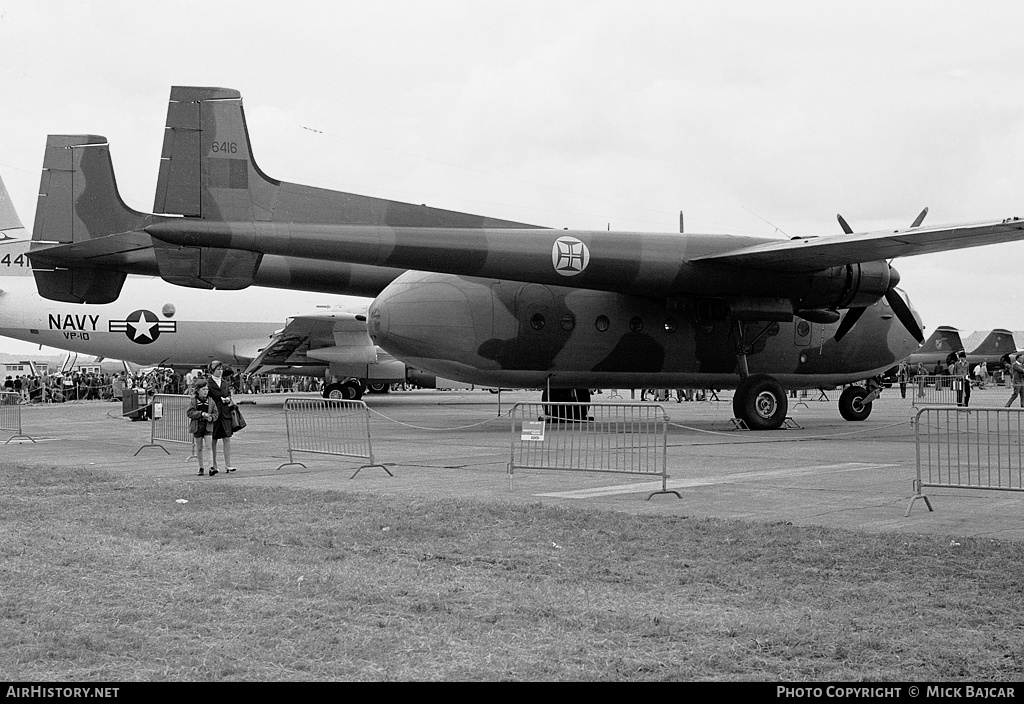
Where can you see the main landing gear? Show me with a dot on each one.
(348, 390)
(566, 413)
(760, 401)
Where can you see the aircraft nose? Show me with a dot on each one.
(421, 315)
(379, 318)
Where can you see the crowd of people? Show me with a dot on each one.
(60, 387)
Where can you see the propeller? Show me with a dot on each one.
(899, 306)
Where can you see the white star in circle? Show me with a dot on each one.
(143, 327)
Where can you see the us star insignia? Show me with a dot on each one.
(143, 327)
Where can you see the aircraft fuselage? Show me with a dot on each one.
(514, 334)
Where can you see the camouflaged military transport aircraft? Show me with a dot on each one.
(502, 303)
(156, 323)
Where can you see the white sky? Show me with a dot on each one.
(575, 114)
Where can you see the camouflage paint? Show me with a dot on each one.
(488, 332)
(992, 349)
(79, 205)
(935, 349)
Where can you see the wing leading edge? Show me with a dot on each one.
(837, 250)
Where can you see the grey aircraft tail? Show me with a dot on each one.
(939, 345)
(207, 171)
(14, 242)
(78, 204)
(9, 219)
(81, 218)
(996, 343)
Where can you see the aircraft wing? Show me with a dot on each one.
(306, 340)
(817, 253)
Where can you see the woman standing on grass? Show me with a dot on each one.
(220, 392)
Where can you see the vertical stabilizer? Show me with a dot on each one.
(8, 216)
(207, 171)
(14, 242)
(78, 197)
(937, 348)
(998, 342)
(78, 203)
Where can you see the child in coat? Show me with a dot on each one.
(202, 413)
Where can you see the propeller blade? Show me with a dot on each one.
(849, 320)
(920, 218)
(904, 314)
(843, 224)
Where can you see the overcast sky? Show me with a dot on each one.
(763, 118)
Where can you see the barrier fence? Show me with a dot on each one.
(935, 390)
(329, 427)
(598, 437)
(169, 421)
(10, 415)
(968, 448)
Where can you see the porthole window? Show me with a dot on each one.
(537, 321)
(568, 322)
(636, 323)
(601, 323)
(670, 324)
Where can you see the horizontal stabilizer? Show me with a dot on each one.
(79, 285)
(206, 267)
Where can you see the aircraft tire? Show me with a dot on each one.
(762, 402)
(348, 391)
(557, 413)
(381, 387)
(581, 396)
(851, 405)
(738, 399)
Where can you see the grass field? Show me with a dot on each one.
(106, 578)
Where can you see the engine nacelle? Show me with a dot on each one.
(853, 285)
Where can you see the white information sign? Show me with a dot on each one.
(533, 431)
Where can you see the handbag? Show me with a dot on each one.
(237, 421)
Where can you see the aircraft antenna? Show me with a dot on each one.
(777, 228)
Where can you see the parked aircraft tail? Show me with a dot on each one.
(14, 242)
(939, 345)
(207, 171)
(9, 219)
(998, 342)
(80, 209)
(79, 203)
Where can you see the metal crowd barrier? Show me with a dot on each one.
(597, 437)
(329, 427)
(10, 415)
(934, 390)
(968, 448)
(169, 422)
